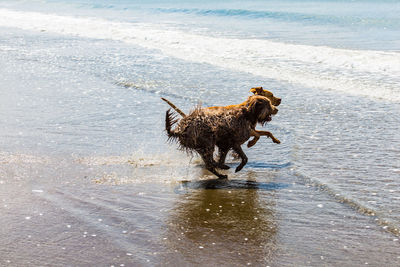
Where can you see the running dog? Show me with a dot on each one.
(226, 128)
(275, 101)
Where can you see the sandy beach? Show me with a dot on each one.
(77, 214)
(88, 177)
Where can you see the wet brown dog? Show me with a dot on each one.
(275, 101)
(205, 128)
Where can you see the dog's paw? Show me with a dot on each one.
(238, 168)
(222, 176)
(224, 167)
(276, 141)
(251, 143)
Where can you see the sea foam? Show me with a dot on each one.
(360, 72)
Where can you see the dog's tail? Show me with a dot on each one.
(174, 107)
(170, 120)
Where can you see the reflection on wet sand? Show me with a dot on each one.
(231, 225)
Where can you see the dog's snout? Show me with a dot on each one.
(274, 110)
(278, 101)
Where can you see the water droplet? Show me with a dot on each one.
(37, 191)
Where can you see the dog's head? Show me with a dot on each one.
(260, 91)
(260, 109)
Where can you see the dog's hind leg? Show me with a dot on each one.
(222, 156)
(243, 156)
(207, 156)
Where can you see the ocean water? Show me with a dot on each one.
(87, 176)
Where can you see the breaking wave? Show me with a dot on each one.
(360, 72)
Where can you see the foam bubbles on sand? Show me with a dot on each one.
(137, 159)
(9, 158)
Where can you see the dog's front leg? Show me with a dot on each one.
(255, 139)
(243, 156)
(207, 156)
(270, 135)
(257, 135)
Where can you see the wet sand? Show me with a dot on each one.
(76, 212)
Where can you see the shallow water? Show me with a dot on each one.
(77, 213)
(87, 176)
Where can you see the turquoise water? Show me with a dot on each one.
(87, 176)
(345, 24)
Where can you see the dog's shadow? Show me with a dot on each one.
(235, 184)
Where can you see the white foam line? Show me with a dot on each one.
(369, 73)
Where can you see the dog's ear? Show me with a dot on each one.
(253, 105)
(256, 90)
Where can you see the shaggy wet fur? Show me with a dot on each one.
(205, 128)
(275, 101)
